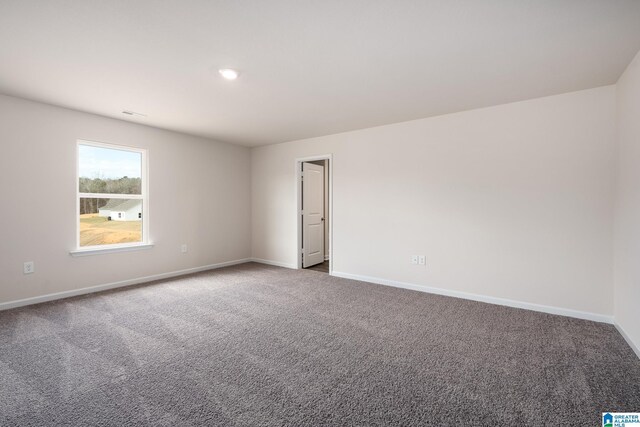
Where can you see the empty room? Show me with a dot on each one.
(320, 213)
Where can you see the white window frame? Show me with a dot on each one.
(144, 196)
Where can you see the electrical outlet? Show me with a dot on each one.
(29, 267)
(414, 259)
(183, 248)
(422, 260)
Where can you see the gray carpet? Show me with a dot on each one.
(255, 345)
(323, 267)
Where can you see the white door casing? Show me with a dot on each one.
(312, 214)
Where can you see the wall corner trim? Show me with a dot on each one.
(627, 338)
(481, 298)
(97, 288)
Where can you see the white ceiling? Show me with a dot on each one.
(308, 68)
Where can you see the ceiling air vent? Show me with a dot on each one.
(133, 113)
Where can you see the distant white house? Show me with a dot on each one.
(122, 210)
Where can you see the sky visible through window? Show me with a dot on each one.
(107, 163)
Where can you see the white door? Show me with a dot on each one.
(312, 214)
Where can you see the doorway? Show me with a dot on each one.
(314, 185)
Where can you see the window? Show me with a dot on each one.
(112, 196)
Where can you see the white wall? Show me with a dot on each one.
(199, 195)
(513, 201)
(627, 219)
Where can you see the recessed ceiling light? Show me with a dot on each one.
(228, 73)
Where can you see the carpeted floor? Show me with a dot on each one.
(255, 345)
(323, 267)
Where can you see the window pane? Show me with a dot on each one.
(109, 171)
(110, 221)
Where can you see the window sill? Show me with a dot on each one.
(110, 249)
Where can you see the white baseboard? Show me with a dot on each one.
(106, 286)
(422, 288)
(627, 338)
(276, 263)
(481, 298)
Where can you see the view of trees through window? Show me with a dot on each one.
(124, 185)
(110, 195)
